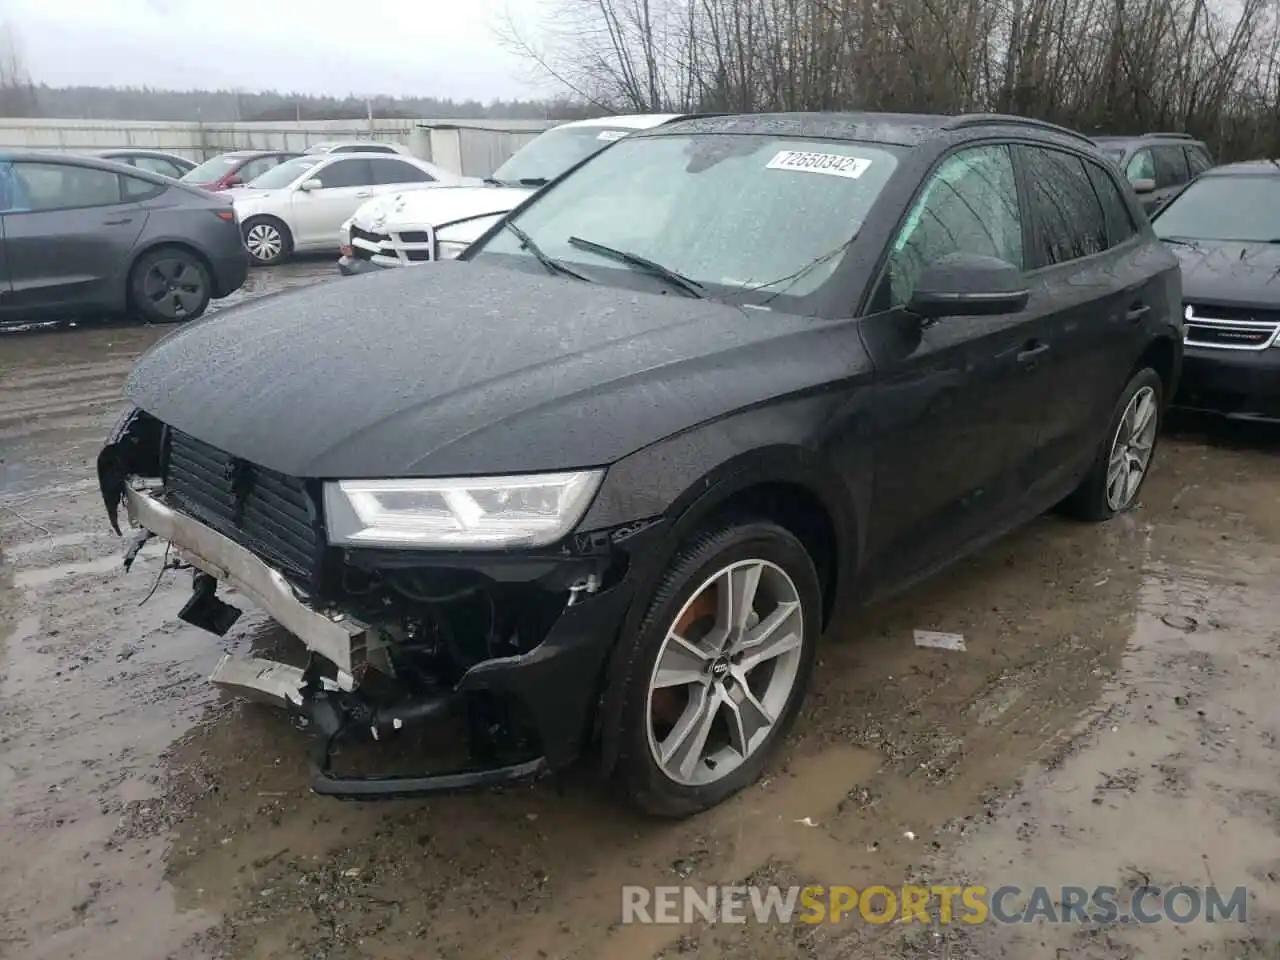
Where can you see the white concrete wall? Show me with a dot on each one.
(470, 147)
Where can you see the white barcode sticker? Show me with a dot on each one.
(610, 135)
(833, 164)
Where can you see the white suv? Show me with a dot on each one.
(403, 229)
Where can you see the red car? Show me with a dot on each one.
(235, 168)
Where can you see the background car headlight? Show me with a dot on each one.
(448, 249)
(466, 513)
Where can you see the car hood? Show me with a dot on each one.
(460, 368)
(419, 209)
(1231, 273)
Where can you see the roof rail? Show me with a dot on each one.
(983, 119)
(1172, 136)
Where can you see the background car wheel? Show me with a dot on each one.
(169, 285)
(1125, 454)
(267, 240)
(718, 667)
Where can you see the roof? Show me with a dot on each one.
(137, 152)
(900, 129)
(630, 121)
(1246, 168)
(81, 159)
(257, 153)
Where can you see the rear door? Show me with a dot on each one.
(956, 401)
(317, 214)
(68, 237)
(1086, 261)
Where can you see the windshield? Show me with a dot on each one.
(754, 213)
(211, 170)
(1223, 208)
(550, 154)
(287, 172)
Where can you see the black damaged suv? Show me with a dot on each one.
(604, 481)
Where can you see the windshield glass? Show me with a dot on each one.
(550, 154)
(759, 213)
(1223, 208)
(211, 170)
(285, 173)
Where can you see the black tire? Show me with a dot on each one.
(266, 226)
(637, 771)
(169, 285)
(1089, 500)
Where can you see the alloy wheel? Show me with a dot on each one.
(175, 287)
(1131, 449)
(725, 672)
(264, 241)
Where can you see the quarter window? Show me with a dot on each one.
(970, 204)
(386, 170)
(158, 165)
(1141, 166)
(63, 186)
(1120, 225)
(1197, 161)
(1068, 215)
(345, 173)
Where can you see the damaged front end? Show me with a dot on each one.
(508, 646)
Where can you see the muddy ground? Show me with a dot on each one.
(1112, 721)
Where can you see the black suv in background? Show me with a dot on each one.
(609, 476)
(1158, 165)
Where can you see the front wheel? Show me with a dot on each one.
(1124, 457)
(267, 240)
(718, 668)
(169, 285)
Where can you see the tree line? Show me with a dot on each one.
(1098, 66)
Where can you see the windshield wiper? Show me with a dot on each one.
(493, 182)
(690, 287)
(553, 265)
(533, 181)
(1181, 242)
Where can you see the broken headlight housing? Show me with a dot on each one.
(461, 514)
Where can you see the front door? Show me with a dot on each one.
(957, 401)
(68, 235)
(317, 214)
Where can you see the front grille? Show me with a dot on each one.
(276, 516)
(391, 249)
(1231, 328)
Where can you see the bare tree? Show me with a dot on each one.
(1102, 66)
(17, 93)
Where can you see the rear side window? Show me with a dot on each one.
(1171, 166)
(135, 188)
(386, 170)
(158, 165)
(1120, 225)
(1069, 220)
(969, 204)
(345, 173)
(1197, 161)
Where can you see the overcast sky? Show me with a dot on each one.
(443, 48)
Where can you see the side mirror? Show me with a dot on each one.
(1143, 185)
(968, 285)
(306, 186)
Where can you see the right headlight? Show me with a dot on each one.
(466, 513)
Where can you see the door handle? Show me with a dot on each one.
(1032, 351)
(1137, 311)
(117, 222)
